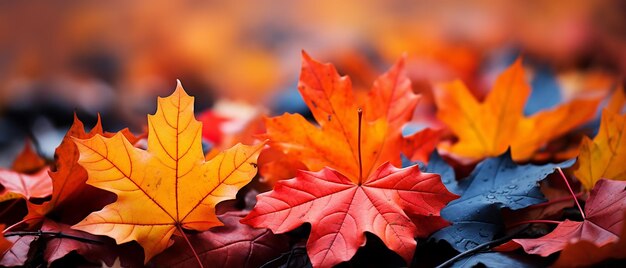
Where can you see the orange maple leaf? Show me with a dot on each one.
(167, 187)
(72, 199)
(335, 143)
(604, 156)
(488, 128)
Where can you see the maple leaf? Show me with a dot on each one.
(4, 243)
(487, 129)
(587, 253)
(500, 259)
(58, 241)
(28, 161)
(276, 165)
(18, 185)
(494, 184)
(335, 143)
(231, 245)
(558, 200)
(72, 199)
(341, 211)
(212, 126)
(418, 146)
(603, 220)
(604, 157)
(17, 254)
(14, 249)
(93, 248)
(448, 177)
(28, 178)
(167, 187)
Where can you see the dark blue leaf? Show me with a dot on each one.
(494, 184)
(437, 165)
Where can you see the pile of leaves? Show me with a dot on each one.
(343, 187)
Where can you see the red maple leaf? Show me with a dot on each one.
(586, 253)
(602, 225)
(19, 185)
(388, 204)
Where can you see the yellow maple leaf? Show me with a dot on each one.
(167, 187)
(488, 128)
(604, 157)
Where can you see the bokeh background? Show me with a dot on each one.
(241, 59)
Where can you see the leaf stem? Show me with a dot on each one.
(195, 254)
(20, 222)
(360, 113)
(55, 234)
(558, 200)
(14, 225)
(480, 247)
(571, 192)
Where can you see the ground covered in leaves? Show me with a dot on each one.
(345, 184)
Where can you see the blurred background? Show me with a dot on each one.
(241, 59)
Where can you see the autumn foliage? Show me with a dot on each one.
(480, 185)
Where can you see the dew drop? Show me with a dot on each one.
(490, 196)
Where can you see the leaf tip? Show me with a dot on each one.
(179, 89)
(305, 55)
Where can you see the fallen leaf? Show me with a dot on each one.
(439, 166)
(391, 204)
(587, 253)
(72, 199)
(604, 218)
(4, 243)
(335, 143)
(231, 245)
(494, 184)
(488, 128)
(57, 244)
(167, 187)
(276, 165)
(500, 259)
(605, 155)
(18, 185)
(212, 126)
(99, 249)
(558, 200)
(419, 146)
(17, 253)
(28, 161)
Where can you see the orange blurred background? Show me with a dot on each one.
(113, 57)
